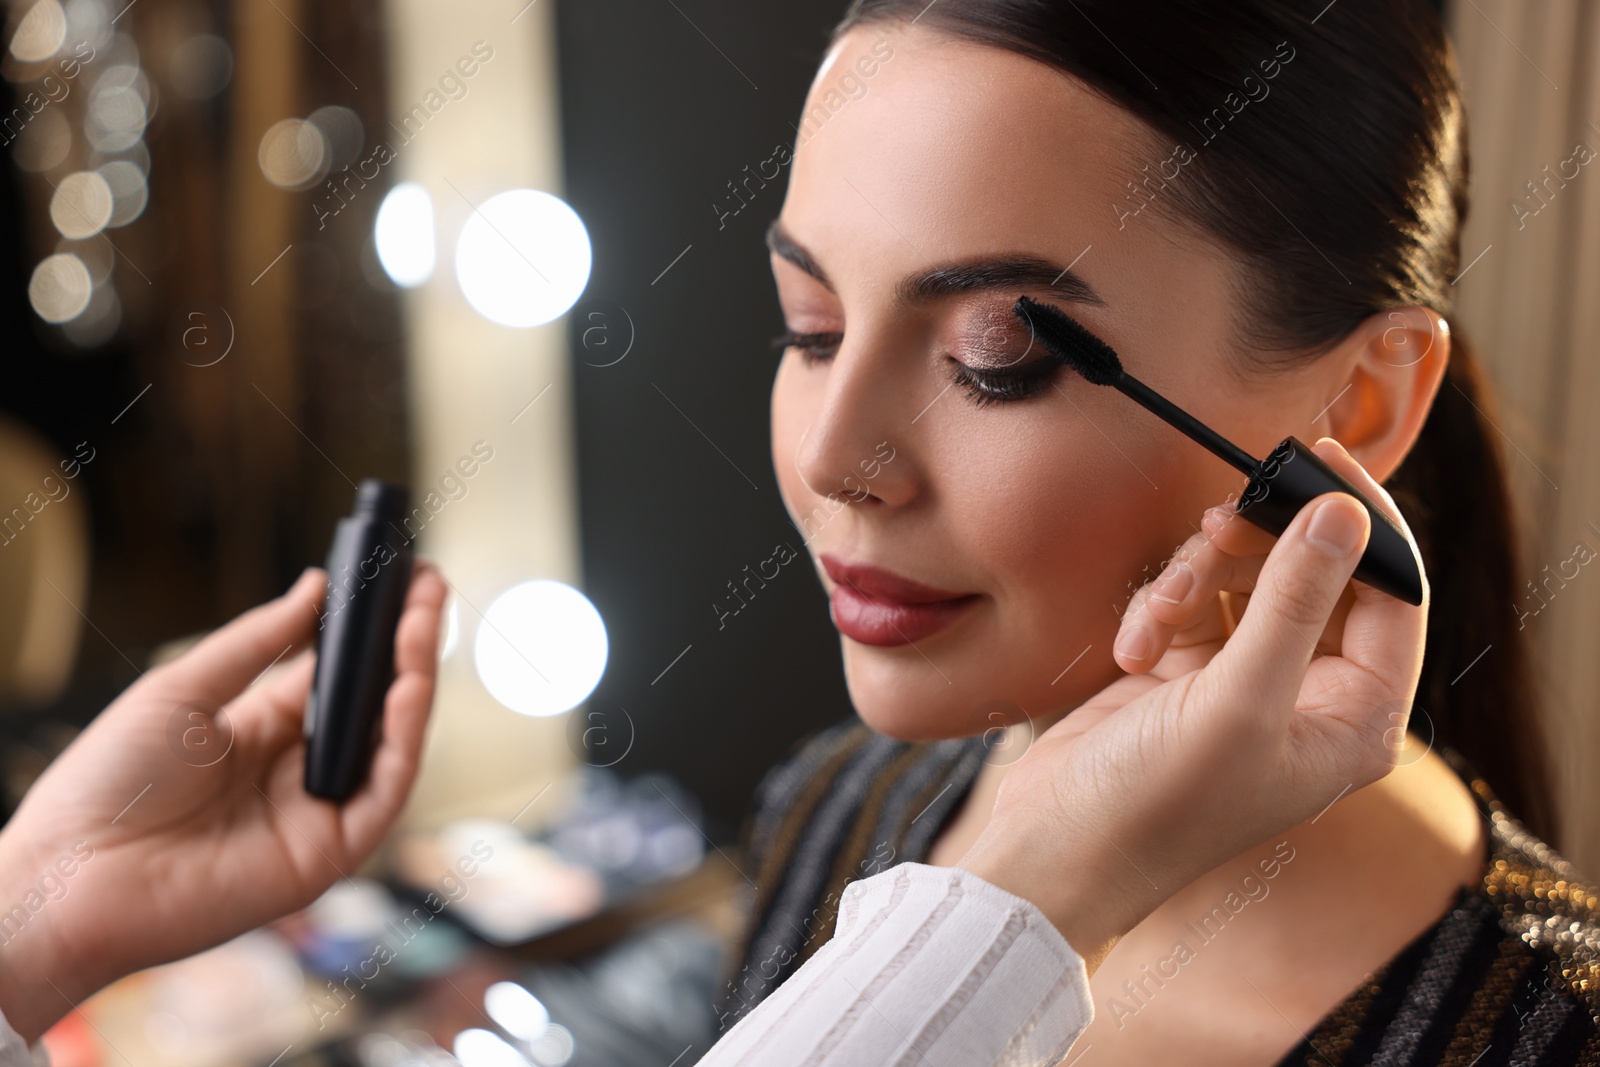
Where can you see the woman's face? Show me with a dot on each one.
(920, 158)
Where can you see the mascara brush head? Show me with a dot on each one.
(1083, 352)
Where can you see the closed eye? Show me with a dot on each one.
(982, 386)
(814, 347)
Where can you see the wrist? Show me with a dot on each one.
(1090, 910)
(36, 985)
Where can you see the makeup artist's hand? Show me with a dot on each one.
(164, 828)
(1213, 742)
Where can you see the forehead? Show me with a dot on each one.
(972, 134)
(916, 147)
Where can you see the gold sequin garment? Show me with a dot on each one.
(1510, 974)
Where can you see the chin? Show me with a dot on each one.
(899, 695)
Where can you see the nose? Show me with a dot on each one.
(855, 448)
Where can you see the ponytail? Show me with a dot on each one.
(1476, 693)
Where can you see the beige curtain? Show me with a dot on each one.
(1529, 298)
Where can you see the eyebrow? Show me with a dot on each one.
(983, 274)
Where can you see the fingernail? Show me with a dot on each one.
(1133, 644)
(1174, 584)
(1335, 530)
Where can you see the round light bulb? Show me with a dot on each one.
(523, 258)
(541, 648)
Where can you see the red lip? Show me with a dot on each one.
(878, 607)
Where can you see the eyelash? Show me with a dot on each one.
(982, 387)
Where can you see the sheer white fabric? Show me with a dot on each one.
(927, 965)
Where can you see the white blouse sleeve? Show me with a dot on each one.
(925, 962)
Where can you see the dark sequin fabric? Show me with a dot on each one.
(1509, 975)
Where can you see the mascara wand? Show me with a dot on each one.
(1280, 485)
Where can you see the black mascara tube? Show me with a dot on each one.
(369, 571)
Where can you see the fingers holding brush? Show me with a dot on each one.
(1374, 621)
(1180, 606)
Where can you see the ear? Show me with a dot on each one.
(1392, 365)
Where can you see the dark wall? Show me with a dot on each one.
(678, 495)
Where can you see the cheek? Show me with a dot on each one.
(1055, 521)
(1061, 528)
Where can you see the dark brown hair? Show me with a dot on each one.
(1329, 155)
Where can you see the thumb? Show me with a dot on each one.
(219, 667)
(1300, 584)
